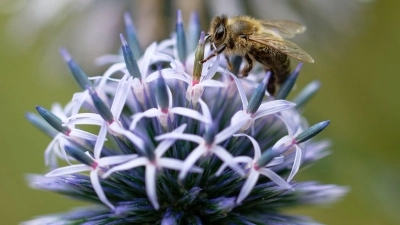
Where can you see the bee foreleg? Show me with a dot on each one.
(216, 52)
(246, 70)
(230, 67)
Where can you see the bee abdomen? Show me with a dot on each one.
(275, 61)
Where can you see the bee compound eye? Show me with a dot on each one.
(220, 32)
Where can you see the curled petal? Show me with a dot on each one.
(68, 170)
(150, 178)
(94, 178)
(275, 178)
(191, 160)
(296, 163)
(248, 186)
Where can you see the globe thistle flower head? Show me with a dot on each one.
(179, 142)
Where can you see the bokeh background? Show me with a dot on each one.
(355, 44)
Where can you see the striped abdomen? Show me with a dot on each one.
(275, 61)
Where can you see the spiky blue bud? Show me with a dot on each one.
(307, 93)
(287, 86)
(180, 37)
(53, 120)
(131, 35)
(266, 157)
(79, 75)
(162, 92)
(41, 124)
(101, 107)
(129, 58)
(209, 134)
(193, 31)
(79, 155)
(312, 131)
(257, 97)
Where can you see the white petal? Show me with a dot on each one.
(114, 68)
(169, 74)
(153, 112)
(272, 107)
(257, 150)
(239, 87)
(100, 141)
(131, 136)
(282, 145)
(165, 44)
(79, 99)
(68, 170)
(213, 69)
(169, 97)
(248, 186)
(141, 161)
(205, 110)
(145, 63)
(238, 159)
(227, 132)
(189, 113)
(187, 137)
(191, 160)
(84, 118)
(116, 159)
(63, 142)
(287, 119)
(164, 145)
(241, 117)
(150, 179)
(176, 164)
(49, 149)
(83, 135)
(121, 94)
(275, 178)
(296, 163)
(212, 83)
(94, 178)
(275, 161)
(227, 158)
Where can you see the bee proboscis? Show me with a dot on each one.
(259, 40)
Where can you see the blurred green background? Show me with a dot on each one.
(358, 68)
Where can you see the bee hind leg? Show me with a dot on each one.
(247, 69)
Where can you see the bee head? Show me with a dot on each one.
(218, 30)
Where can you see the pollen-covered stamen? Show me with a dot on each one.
(131, 35)
(199, 56)
(180, 37)
(80, 76)
(101, 107)
(53, 120)
(129, 58)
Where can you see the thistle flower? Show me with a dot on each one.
(173, 152)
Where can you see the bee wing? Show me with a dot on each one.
(285, 28)
(287, 47)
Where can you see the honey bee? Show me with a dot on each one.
(259, 40)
